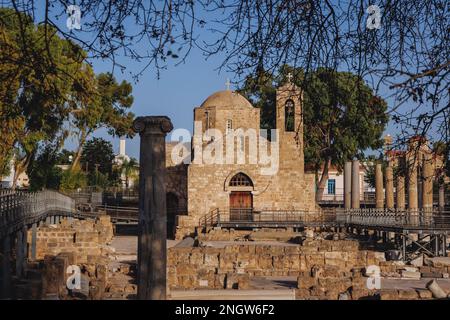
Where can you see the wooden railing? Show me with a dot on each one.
(18, 208)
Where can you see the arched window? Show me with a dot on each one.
(241, 180)
(289, 116)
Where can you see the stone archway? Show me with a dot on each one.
(241, 197)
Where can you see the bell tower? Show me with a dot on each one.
(289, 123)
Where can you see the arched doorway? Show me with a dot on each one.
(172, 211)
(241, 198)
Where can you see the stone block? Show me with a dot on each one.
(314, 259)
(302, 294)
(389, 294)
(306, 282)
(411, 275)
(431, 275)
(424, 293)
(409, 294)
(358, 294)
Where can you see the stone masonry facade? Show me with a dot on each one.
(205, 187)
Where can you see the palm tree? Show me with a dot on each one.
(129, 169)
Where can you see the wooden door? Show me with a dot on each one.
(241, 205)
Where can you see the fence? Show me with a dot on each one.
(18, 208)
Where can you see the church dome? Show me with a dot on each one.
(226, 98)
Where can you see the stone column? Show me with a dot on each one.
(389, 186)
(33, 241)
(379, 186)
(400, 192)
(355, 185)
(152, 246)
(427, 185)
(412, 183)
(441, 196)
(5, 267)
(348, 185)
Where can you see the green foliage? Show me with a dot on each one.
(98, 157)
(73, 179)
(43, 172)
(45, 74)
(65, 157)
(50, 84)
(129, 168)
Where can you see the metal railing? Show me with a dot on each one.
(18, 208)
(251, 217)
(384, 218)
(417, 219)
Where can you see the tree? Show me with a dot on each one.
(43, 172)
(45, 75)
(129, 169)
(342, 117)
(97, 158)
(105, 107)
(65, 157)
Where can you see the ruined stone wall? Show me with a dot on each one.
(80, 237)
(82, 243)
(225, 267)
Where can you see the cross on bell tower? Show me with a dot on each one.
(228, 83)
(289, 76)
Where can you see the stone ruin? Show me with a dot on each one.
(83, 243)
(325, 269)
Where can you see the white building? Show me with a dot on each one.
(22, 181)
(334, 187)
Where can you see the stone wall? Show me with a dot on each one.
(81, 243)
(233, 265)
(80, 237)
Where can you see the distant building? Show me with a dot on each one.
(23, 180)
(334, 187)
(119, 160)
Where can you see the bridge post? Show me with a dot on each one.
(348, 185)
(21, 242)
(379, 186)
(152, 245)
(33, 241)
(5, 269)
(389, 186)
(355, 185)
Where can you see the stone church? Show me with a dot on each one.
(240, 189)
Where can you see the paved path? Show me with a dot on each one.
(231, 294)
